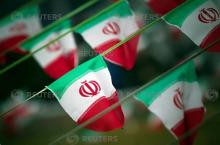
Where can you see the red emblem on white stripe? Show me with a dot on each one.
(177, 99)
(111, 28)
(208, 15)
(56, 46)
(89, 89)
(19, 27)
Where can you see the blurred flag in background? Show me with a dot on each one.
(109, 29)
(59, 57)
(18, 26)
(177, 100)
(199, 20)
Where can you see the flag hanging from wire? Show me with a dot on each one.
(177, 100)
(18, 26)
(108, 29)
(59, 57)
(199, 20)
(86, 91)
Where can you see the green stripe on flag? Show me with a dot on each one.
(28, 45)
(179, 14)
(183, 73)
(120, 10)
(59, 86)
(23, 13)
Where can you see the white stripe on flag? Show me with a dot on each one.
(68, 42)
(31, 26)
(44, 56)
(95, 37)
(164, 106)
(74, 104)
(195, 29)
(192, 98)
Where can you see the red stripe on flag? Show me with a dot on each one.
(118, 111)
(11, 42)
(72, 58)
(210, 38)
(58, 67)
(161, 7)
(193, 118)
(110, 121)
(179, 129)
(124, 56)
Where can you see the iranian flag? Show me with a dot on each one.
(177, 100)
(108, 29)
(86, 91)
(59, 57)
(199, 20)
(18, 26)
(161, 7)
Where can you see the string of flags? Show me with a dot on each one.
(47, 28)
(11, 66)
(185, 133)
(30, 40)
(87, 91)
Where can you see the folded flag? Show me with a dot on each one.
(199, 20)
(18, 26)
(86, 91)
(59, 57)
(177, 100)
(108, 29)
(162, 7)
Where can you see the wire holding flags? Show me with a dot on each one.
(104, 53)
(56, 23)
(54, 40)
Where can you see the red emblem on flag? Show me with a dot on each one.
(19, 27)
(54, 47)
(208, 15)
(177, 99)
(111, 28)
(89, 89)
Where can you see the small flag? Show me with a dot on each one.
(18, 26)
(199, 20)
(108, 29)
(162, 7)
(86, 91)
(59, 57)
(177, 100)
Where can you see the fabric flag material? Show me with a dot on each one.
(59, 57)
(108, 29)
(177, 100)
(86, 91)
(19, 26)
(162, 7)
(199, 20)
